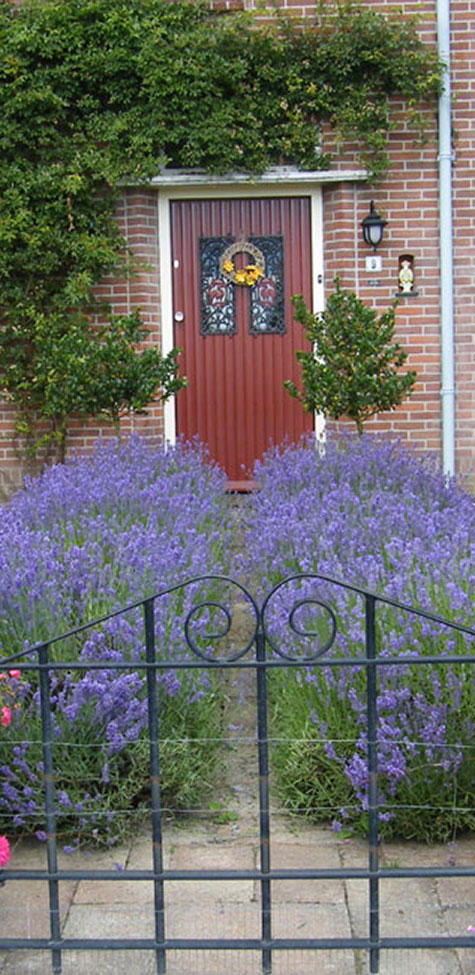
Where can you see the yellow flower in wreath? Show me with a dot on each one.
(248, 275)
(253, 273)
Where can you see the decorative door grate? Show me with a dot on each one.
(263, 279)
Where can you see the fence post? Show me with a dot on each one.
(373, 797)
(264, 825)
(153, 730)
(48, 779)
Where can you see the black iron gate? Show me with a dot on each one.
(312, 626)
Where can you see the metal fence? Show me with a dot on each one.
(312, 617)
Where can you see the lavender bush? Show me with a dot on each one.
(85, 539)
(371, 513)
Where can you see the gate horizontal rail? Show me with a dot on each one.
(348, 873)
(267, 655)
(228, 944)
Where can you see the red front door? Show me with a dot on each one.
(236, 264)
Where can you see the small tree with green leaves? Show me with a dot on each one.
(353, 367)
(76, 368)
(87, 370)
(124, 380)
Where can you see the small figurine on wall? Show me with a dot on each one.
(406, 274)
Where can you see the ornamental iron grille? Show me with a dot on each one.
(218, 313)
(217, 289)
(296, 625)
(267, 315)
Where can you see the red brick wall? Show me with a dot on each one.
(138, 217)
(408, 199)
(463, 72)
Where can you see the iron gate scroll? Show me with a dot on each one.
(308, 643)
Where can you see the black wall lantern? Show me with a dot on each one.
(373, 228)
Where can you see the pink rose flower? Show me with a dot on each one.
(15, 673)
(4, 851)
(6, 717)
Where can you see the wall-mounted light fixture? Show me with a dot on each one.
(373, 228)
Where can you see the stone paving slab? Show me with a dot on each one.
(457, 891)
(82, 963)
(24, 908)
(297, 856)
(408, 908)
(211, 857)
(457, 920)
(412, 962)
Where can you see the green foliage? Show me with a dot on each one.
(99, 372)
(117, 800)
(57, 368)
(309, 781)
(358, 59)
(139, 82)
(430, 803)
(352, 368)
(94, 94)
(121, 380)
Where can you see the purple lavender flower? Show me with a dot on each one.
(82, 540)
(369, 512)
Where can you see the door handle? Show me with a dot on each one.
(179, 316)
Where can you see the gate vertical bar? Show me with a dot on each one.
(264, 823)
(373, 798)
(48, 779)
(153, 727)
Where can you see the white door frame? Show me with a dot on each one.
(285, 181)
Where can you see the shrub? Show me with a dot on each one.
(352, 368)
(371, 513)
(81, 541)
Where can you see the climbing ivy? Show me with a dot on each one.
(98, 93)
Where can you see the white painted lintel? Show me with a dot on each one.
(276, 176)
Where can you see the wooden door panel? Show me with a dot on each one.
(235, 401)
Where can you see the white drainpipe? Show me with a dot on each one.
(446, 244)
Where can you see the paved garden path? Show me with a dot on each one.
(228, 837)
(231, 909)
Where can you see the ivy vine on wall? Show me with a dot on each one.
(97, 92)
